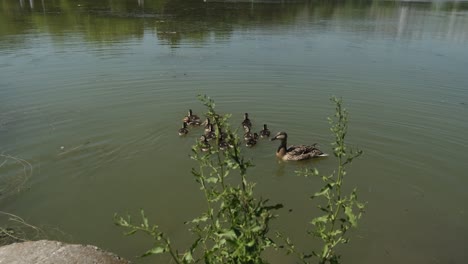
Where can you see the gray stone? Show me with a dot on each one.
(53, 252)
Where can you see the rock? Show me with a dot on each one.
(54, 252)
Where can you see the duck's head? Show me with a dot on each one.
(265, 127)
(246, 116)
(184, 125)
(280, 136)
(190, 112)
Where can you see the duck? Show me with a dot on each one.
(222, 144)
(209, 132)
(264, 133)
(204, 145)
(207, 123)
(192, 119)
(247, 135)
(298, 152)
(246, 121)
(231, 140)
(221, 133)
(252, 141)
(183, 131)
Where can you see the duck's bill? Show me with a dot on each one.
(323, 155)
(273, 138)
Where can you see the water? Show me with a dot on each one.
(92, 94)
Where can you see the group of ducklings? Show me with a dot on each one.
(251, 139)
(209, 131)
(297, 152)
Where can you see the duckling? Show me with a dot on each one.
(206, 123)
(183, 131)
(246, 121)
(252, 141)
(222, 134)
(195, 122)
(265, 132)
(222, 144)
(192, 119)
(209, 132)
(231, 141)
(247, 135)
(204, 145)
(299, 152)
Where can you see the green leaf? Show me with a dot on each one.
(131, 232)
(256, 228)
(228, 234)
(200, 219)
(212, 180)
(188, 257)
(155, 250)
(320, 219)
(351, 216)
(322, 192)
(145, 219)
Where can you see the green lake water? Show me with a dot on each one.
(92, 94)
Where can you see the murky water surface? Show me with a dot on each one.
(92, 94)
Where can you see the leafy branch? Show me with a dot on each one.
(340, 212)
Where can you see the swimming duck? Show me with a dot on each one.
(204, 145)
(265, 132)
(246, 121)
(252, 141)
(209, 132)
(222, 144)
(206, 123)
(192, 119)
(299, 152)
(231, 141)
(247, 135)
(183, 131)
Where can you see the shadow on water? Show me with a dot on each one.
(174, 22)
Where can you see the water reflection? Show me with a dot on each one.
(177, 21)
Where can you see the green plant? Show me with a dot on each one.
(235, 226)
(340, 211)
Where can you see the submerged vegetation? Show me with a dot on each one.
(19, 171)
(18, 230)
(235, 228)
(13, 228)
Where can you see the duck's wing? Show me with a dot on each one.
(297, 150)
(301, 152)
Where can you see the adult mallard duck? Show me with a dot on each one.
(192, 119)
(246, 122)
(299, 152)
(264, 133)
(183, 131)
